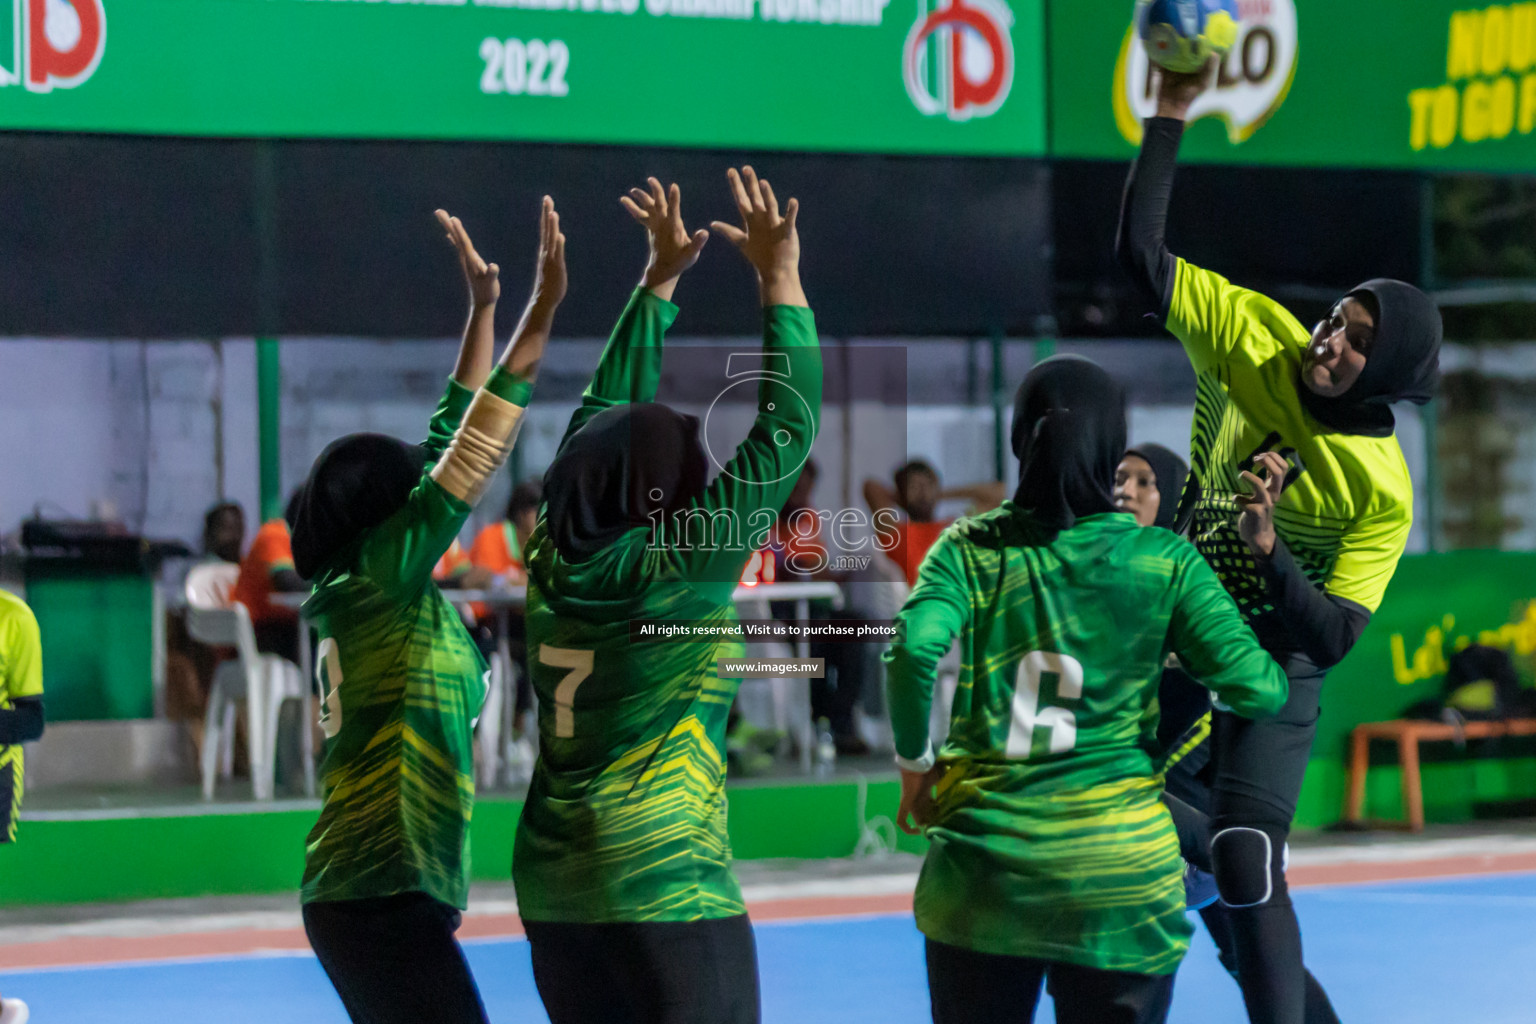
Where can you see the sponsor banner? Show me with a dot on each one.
(918, 76)
(1435, 84)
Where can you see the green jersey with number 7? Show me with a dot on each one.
(1048, 837)
(625, 817)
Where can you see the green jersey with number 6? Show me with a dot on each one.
(401, 684)
(625, 817)
(1049, 838)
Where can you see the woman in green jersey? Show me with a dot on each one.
(386, 869)
(622, 863)
(1051, 853)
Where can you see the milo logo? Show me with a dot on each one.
(1250, 86)
(50, 44)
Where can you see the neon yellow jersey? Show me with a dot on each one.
(21, 675)
(1348, 500)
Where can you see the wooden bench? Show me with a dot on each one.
(1408, 734)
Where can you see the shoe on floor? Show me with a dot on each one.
(14, 1011)
(1199, 888)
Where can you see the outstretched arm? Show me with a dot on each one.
(757, 480)
(478, 349)
(1140, 243)
(630, 367)
(489, 428)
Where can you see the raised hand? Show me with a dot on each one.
(483, 278)
(766, 238)
(1177, 91)
(549, 281)
(673, 249)
(1257, 522)
(527, 349)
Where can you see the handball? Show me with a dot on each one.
(1181, 35)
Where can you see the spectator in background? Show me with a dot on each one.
(21, 721)
(267, 569)
(189, 665)
(498, 548)
(224, 531)
(917, 495)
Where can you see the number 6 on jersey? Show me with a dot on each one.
(1039, 668)
(580, 665)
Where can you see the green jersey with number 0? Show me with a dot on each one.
(402, 684)
(1049, 837)
(625, 818)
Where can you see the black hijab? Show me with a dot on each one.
(1069, 436)
(623, 465)
(358, 482)
(1170, 472)
(1403, 365)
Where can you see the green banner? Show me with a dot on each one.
(913, 76)
(1435, 605)
(1434, 84)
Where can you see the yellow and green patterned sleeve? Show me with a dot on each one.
(21, 653)
(1216, 646)
(446, 420)
(1368, 556)
(935, 612)
(1214, 319)
(629, 370)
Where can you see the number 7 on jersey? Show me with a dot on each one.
(579, 664)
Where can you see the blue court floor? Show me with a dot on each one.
(1461, 950)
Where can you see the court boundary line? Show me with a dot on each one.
(770, 904)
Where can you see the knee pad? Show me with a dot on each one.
(1242, 858)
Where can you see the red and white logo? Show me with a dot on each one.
(959, 59)
(57, 43)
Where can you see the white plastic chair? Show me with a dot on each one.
(264, 681)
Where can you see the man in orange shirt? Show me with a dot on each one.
(267, 569)
(498, 548)
(917, 494)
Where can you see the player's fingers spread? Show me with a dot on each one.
(633, 208)
(770, 200)
(754, 189)
(642, 197)
(675, 202)
(791, 212)
(739, 193)
(732, 234)
(659, 194)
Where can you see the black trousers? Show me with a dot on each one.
(394, 960)
(655, 972)
(967, 987)
(1259, 766)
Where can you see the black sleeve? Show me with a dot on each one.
(23, 721)
(1324, 627)
(1139, 243)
